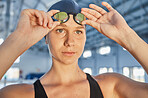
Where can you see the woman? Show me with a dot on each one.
(66, 42)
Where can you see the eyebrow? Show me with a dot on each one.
(78, 27)
(63, 25)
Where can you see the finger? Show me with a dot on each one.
(89, 16)
(92, 23)
(44, 18)
(39, 16)
(52, 12)
(92, 12)
(97, 8)
(56, 23)
(50, 21)
(108, 6)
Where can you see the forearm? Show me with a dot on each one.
(138, 48)
(31, 28)
(12, 47)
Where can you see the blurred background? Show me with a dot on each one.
(101, 54)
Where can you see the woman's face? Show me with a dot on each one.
(67, 41)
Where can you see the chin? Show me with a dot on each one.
(68, 61)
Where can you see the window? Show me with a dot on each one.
(105, 70)
(87, 54)
(104, 50)
(1, 40)
(135, 73)
(12, 74)
(124, 49)
(138, 74)
(88, 70)
(17, 60)
(126, 71)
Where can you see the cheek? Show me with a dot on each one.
(54, 43)
(83, 40)
(81, 44)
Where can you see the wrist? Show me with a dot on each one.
(130, 39)
(16, 42)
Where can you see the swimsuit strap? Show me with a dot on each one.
(39, 90)
(95, 91)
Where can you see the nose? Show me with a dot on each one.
(69, 40)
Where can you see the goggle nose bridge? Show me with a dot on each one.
(74, 17)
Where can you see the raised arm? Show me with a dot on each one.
(33, 25)
(113, 25)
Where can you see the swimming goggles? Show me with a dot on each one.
(62, 17)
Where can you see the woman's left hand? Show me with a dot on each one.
(111, 23)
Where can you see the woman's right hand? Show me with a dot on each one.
(33, 25)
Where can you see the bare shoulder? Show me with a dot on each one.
(122, 86)
(107, 83)
(17, 91)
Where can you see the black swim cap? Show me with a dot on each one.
(68, 6)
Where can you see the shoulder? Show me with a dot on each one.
(122, 86)
(17, 91)
(107, 83)
(111, 78)
(108, 79)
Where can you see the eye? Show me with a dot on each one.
(78, 32)
(60, 30)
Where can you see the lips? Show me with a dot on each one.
(69, 53)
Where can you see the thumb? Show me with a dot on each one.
(56, 23)
(53, 26)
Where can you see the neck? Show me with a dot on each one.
(61, 73)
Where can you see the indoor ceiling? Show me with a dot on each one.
(135, 13)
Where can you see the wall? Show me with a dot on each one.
(117, 59)
(34, 62)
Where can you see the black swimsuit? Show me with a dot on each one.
(95, 91)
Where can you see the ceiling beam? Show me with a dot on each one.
(120, 3)
(136, 17)
(139, 24)
(141, 31)
(20, 9)
(7, 16)
(36, 5)
(135, 9)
